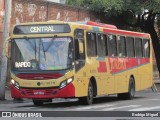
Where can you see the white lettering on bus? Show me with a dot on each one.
(22, 64)
(42, 29)
(118, 64)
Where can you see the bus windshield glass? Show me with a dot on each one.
(42, 53)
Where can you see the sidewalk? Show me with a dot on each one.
(8, 97)
(157, 84)
(157, 81)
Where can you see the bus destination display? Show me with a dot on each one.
(41, 29)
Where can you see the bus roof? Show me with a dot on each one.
(106, 28)
(98, 24)
(126, 33)
(111, 29)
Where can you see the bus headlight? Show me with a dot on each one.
(12, 81)
(69, 80)
(15, 83)
(65, 83)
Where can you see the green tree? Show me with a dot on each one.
(135, 13)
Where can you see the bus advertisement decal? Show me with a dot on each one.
(118, 65)
(102, 67)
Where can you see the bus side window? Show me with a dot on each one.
(79, 34)
(106, 44)
(121, 41)
(101, 45)
(130, 47)
(112, 45)
(79, 44)
(91, 44)
(138, 47)
(146, 48)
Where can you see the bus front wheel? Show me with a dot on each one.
(131, 91)
(37, 102)
(88, 100)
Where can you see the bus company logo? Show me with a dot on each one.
(38, 83)
(22, 64)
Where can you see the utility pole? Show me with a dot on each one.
(6, 24)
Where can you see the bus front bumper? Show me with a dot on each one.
(48, 93)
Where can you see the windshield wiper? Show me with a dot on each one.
(50, 44)
(45, 50)
(33, 47)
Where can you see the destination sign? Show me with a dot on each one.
(41, 29)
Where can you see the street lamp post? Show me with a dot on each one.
(6, 26)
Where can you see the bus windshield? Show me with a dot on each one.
(53, 53)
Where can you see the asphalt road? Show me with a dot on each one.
(146, 100)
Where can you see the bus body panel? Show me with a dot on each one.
(66, 92)
(111, 74)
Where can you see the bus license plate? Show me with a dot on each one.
(38, 93)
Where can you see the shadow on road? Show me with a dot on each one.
(65, 103)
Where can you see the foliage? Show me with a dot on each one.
(135, 13)
(98, 5)
(116, 7)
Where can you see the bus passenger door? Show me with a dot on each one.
(80, 72)
(79, 54)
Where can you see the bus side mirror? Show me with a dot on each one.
(7, 48)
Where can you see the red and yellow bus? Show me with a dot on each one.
(82, 60)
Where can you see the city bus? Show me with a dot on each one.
(83, 60)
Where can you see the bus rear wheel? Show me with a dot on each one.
(131, 91)
(88, 100)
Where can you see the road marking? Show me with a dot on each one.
(28, 108)
(92, 107)
(145, 108)
(114, 108)
(154, 99)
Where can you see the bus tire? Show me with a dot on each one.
(131, 91)
(88, 100)
(37, 103)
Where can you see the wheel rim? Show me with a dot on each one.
(90, 92)
(132, 90)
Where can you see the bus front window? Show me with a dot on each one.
(42, 53)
